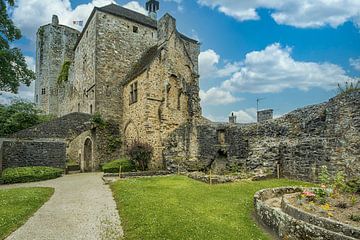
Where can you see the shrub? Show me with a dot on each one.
(30, 174)
(339, 182)
(114, 166)
(324, 177)
(140, 154)
(353, 185)
(355, 218)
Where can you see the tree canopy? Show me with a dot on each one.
(13, 67)
(18, 116)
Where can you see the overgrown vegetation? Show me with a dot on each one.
(140, 153)
(114, 166)
(20, 115)
(181, 208)
(18, 204)
(64, 73)
(98, 120)
(30, 174)
(349, 87)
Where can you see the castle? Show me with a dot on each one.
(140, 73)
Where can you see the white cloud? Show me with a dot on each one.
(217, 96)
(180, 6)
(135, 6)
(273, 70)
(302, 14)
(355, 63)
(29, 15)
(208, 66)
(246, 116)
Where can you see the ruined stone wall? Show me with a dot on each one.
(300, 142)
(24, 153)
(54, 45)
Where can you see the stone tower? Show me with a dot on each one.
(54, 45)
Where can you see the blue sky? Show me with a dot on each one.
(290, 53)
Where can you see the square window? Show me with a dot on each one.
(43, 91)
(135, 29)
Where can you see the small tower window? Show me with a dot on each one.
(133, 93)
(135, 29)
(78, 107)
(43, 91)
(91, 109)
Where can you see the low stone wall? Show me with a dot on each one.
(286, 226)
(25, 153)
(326, 223)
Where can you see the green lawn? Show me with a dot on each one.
(17, 205)
(181, 208)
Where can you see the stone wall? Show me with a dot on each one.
(24, 153)
(300, 142)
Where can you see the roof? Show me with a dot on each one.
(120, 12)
(146, 59)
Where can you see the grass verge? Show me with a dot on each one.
(181, 208)
(18, 204)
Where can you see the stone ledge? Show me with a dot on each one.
(286, 226)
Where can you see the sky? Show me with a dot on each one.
(287, 53)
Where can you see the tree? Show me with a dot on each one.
(13, 68)
(19, 115)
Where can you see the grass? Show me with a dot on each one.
(18, 204)
(181, 208)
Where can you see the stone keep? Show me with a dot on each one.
(118, 50)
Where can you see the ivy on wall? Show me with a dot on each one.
(64, 73)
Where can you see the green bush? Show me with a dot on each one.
(114, 166)
(353, 185)
(30, 174)
(140, 153)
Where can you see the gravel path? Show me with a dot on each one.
(82, 207)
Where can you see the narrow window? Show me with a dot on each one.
(43, 91)
(135, 29)
(37, 98)
(179, 101)
(78, 107)
(91, 109)
(133, 93)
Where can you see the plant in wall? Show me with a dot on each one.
(141, 154)
(64, 72)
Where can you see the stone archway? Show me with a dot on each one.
(88, 156)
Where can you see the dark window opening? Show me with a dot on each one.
(91, 109)
(43, 91)
(135, 29)
(37, 98)
(78, 107)
(179, 101)
(133, 93)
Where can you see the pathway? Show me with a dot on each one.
(82, 207)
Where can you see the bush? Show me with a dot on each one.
(114, 166)
(353, 185)
(30, 174)
(140, 154)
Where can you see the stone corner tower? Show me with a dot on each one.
(54, 45)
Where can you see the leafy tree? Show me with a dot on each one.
(18, 116)
(13, 68)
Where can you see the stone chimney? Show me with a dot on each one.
(55, 20)
(232, 119)
(152, 6)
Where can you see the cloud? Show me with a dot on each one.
(208, 66)
(135, 6)
(29, 15)
(355, 63)
(180, 6)
(246, 116)
(301, 14)
(217, 96)
(273, 70)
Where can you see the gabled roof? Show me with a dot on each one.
(129, 14)
(146, 59)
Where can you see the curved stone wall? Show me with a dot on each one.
(290, 227)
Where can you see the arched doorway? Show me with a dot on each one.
(88, 156)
